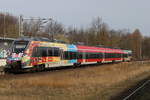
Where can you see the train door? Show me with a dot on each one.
(61, 57)
(54, 57)
(84, 57)
(57, 53)
(103, 58)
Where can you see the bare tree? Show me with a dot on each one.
(8, 25)
(136, 43)
(146, 48)
(100, 32)
(32, 27)
(53, 28)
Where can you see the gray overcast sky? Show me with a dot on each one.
(118, 14)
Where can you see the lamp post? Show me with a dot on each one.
(20, 25)
(141, 42)
(4, 31)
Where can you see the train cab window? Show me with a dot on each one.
(19, 46)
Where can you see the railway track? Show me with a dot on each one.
(136, 91)
(49, 72)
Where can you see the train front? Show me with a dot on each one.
(15, 54)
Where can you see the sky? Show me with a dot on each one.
(118, 14)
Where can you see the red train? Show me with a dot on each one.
(41, 53)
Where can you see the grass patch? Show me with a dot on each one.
(90, 83)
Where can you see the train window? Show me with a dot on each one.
(92, 56)
(56, 52)
(115, 55)
(79, 55)
(125, 55)
(73, 55)
(87, 55)
(50, 52)
(118, 55)
(100, 55)
(70, 55)
(43, 52)
(108, 55)
(66, 55)
(97, 55)
(34, 53)
(39, 52)
(112, 55)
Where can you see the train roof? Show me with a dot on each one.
(98, 49)
(33, 39)
(83, 47)
(38, 39)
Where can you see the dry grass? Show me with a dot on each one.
(91, 83)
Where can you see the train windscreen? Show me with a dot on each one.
(19, 46)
